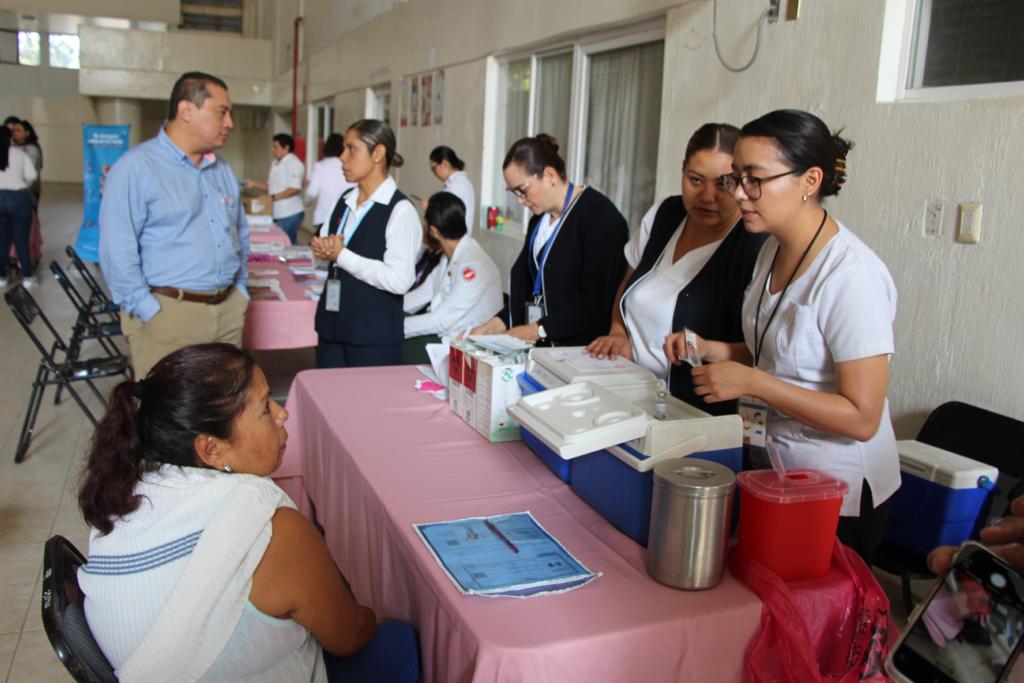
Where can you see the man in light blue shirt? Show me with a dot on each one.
(173, 234)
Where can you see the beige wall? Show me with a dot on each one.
(168, 11)
(145, 64)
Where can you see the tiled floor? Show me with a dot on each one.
(37, 497)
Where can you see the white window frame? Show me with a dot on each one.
(371, 104)
(903, 49)
(582, 47)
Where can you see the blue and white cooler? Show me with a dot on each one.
(940, 499)
(603, 428)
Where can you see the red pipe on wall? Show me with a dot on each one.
(295, 75)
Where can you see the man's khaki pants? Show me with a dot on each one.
(180, 323)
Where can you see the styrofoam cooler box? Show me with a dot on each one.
(940, 498)
(613, 444)
(547, 368)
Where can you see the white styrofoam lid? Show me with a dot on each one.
(942, 467)
(572, 364)
(579, 418)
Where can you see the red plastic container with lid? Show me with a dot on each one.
(788, 523)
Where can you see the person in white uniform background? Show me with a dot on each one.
(327, 181)
(689, 264)
(446, 165)
(817, 322)
(284, 186)
(469, 290)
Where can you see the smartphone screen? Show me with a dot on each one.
(971, 628)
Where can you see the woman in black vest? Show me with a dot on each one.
(563, 283)
(370, 243)
(691, 250)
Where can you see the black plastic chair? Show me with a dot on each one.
(978, 434)
(55, 366)
(97, 296)
(64, 615)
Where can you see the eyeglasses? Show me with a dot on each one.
(751, 184)
(520, 191)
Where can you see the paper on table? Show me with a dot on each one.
(500, 343)
(259, 220)
(579, 360)
(262, 271)
(260, 229)
(266, 248)
(271, 282)
(438, 354)
(515, 558)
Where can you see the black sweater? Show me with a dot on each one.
(581, 276)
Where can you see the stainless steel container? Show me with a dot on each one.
(691, 511)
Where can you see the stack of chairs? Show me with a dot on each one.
(61, 364)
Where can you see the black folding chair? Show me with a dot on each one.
(97, 296)
(978, 434)
(55, 366)
(91, 322)
(64, 615)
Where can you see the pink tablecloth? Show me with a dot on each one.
(275, 235)
(279, 324)
(376, 457)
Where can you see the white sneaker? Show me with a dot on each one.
(3, 282)
(29, 282)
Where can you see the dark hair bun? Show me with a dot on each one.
(546, 139)
(397, 160)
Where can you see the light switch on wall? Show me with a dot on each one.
(968, 227)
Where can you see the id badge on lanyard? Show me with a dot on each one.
(333, 293)
(754, 413)
(332, 288)
(534, 310)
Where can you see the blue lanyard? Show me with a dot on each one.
(538, 276)
(347, 235)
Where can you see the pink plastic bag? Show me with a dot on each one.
(858, 635)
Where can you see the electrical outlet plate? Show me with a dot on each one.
(968, 228)
(933, 210)
(773, 10)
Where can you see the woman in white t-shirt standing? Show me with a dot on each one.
(327, 181)
(446, 165)
(16, 175)
(817, 321)
(285, 186)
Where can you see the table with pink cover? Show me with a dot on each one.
(275, 235)
(279, 324)
(376, 457)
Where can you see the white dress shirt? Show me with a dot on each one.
(326, 185)
(840, 309)
(286, 172)
(403, 235)
(459, 185)
(469, 293)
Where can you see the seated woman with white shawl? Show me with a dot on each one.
(200, 568)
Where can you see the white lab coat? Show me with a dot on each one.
(458, 184)
(469, 293)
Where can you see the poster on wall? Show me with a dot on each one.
(414, 100)
(403, 103)
(439, 97)
(426, 98)
(102, 146)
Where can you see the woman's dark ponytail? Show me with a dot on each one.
(115, 462)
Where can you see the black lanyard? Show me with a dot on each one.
(759, 342)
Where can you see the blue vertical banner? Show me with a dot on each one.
(102, 146)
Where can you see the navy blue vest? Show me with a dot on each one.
(711, 305)
(367, 316)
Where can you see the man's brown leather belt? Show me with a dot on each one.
(181, 295)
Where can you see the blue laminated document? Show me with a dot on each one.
(509, 555)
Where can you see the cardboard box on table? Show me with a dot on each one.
(481, 386)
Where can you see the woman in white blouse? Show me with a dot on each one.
(817, 322)
(370, 243)
(327, 181)
(16, 176)
(284, 186)
(689, 264)
(447, 167)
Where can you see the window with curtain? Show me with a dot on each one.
(28, 48)
(554, 98)
(623, 118)
(513, 123)
(967, 42)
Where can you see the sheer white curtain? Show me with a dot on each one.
(554, 98)
(624, 110)
(514, 110)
